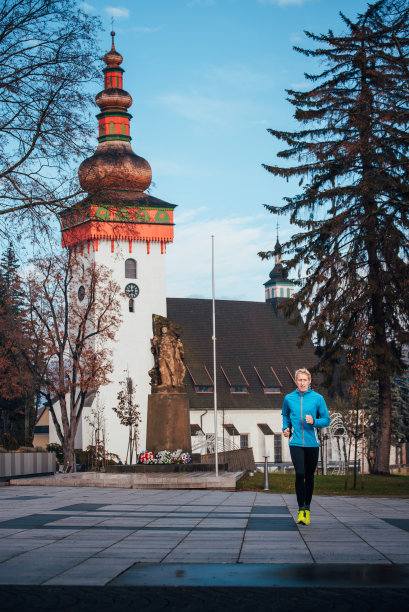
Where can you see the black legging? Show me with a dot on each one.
(305, 459)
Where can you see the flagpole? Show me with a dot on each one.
(216, 454)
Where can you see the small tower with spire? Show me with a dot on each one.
(278, 286)
(119, 224)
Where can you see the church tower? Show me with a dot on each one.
(278, 286)
(123, 227)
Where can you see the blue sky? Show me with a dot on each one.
(208, 77)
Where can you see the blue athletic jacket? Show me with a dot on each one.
(296, 406)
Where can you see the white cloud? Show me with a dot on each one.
(146, 29)
(239, 272)
(303, 85)
(87, 8)
(295, 38)
(196, 107)
(209, 111)
(117, 11)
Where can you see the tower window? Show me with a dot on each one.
(281, 292)
(111, 127)
(131, 305)
(130, 268)
(123, 128)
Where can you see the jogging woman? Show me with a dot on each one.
(304, 411)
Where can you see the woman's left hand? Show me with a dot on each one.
(309, 419)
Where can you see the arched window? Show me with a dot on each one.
(131, 303)
(130, 268)
(111, 127)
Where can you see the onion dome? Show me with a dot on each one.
(113, 59)
(114, 165)
(278, 272)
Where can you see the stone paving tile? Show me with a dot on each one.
(42, 534)
(303, 557)
(92, 571)
(192, 558)
(35, 573)
(106, 531)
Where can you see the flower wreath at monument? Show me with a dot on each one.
(164, 457)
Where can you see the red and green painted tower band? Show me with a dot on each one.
(117, 206)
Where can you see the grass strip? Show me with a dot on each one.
(377, 486)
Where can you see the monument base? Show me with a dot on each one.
(168, 423)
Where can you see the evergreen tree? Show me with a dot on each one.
(352, 212)
(17, 413)
(10, 283)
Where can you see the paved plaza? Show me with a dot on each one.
(101, 536)
(80, 549)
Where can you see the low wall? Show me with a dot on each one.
(13, 465)
(162, 468)
(237, 460)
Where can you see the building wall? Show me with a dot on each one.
(132, 349)
(246, 423)
(42, 430)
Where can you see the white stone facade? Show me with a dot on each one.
(131, 351)
(246, 423)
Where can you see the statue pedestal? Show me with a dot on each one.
(168, 423)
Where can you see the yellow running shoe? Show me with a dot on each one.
(307, 519)
(301, 517)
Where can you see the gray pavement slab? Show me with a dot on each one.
(99, 536)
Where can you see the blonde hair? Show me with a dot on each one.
(302, 371)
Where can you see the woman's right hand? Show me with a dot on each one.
(286, 432)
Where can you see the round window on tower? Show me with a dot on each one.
(81, 293)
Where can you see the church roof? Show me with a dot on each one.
(256, 352)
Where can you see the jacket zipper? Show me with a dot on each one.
(302, 423)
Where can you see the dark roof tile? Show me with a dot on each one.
(249, 335)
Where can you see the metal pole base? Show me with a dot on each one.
(266, 482)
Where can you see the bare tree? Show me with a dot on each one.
(48, 55)
(128, 414)
(69, 336)
(96, 420)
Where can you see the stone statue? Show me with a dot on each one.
(168, 371)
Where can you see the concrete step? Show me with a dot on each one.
(225, 481)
